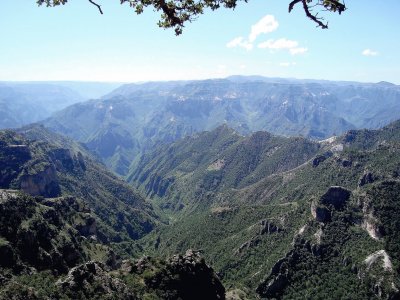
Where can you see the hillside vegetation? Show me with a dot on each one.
(306, 220)
(42, 163)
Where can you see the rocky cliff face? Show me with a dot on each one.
(42, 163)
(184, 276)
(326, 244)
(44, 183)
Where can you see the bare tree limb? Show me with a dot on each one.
(98, 6)
(308, 12)
(313, 17)
(292, 4)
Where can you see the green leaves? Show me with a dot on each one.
(51, 2)
(176, 13)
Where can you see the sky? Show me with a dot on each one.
(76, 42)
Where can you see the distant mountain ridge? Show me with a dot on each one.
(22, 103)
(135, 117)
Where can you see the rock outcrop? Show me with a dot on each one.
(92, 280)
(366, 178)
(320, 212)
(188, 277)
(336, 196)
(321, 158)
(43, 183)
(268, 227)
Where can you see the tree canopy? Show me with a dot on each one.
(176, 13)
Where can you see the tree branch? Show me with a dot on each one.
(292, 4)
(313, 17)
(308, 12)
(98, 6)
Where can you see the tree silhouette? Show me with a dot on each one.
(176, 13)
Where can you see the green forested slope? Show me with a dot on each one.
(330, 217)
(44, 164)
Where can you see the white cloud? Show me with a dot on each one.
(300, 50)
(265, 25)
(369, 52)
(239, 42)
(285, 44)
(278, 44)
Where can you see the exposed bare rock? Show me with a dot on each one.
(92, 280)
(236, 294)
(320, 213)
(384, 285)
(268, 227)
(369, 222)
(318, 236)
(187, 277)
(370, 225)
(43, 183)
(381, 254)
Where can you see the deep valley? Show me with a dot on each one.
(239, 188)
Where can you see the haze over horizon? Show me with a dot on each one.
(257, 38)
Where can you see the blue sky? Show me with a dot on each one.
(75, 42)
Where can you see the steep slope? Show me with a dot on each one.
(42, 163)
(46, 245)
(217, 161)
(136, 117)
(329, 218)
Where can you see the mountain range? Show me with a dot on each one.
(136, 117)
(22, 103)
(211, 205)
